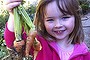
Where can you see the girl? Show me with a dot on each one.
(59, 30)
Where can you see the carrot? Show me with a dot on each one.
(30, 41)
(19, 45)
(37, 45)
(23, 19)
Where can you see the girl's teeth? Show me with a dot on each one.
(58, 31)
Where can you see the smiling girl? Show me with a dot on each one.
(59, 30)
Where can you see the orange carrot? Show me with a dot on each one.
(19, 45)
(37, 45)
(30, 41)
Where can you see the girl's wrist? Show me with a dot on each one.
(11, 13)
(10, 24)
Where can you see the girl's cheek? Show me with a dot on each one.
(49, 24)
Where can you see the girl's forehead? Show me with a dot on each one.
(53, 10)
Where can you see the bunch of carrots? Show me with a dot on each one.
(22, 19)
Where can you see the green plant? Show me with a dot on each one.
(30, 9)
(3, 19)
(84, 5)
(3, 52)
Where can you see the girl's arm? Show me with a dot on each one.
(9, 37)
(9, 28)
(9, 5)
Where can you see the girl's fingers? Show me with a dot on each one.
(10, 6)
(11, 1)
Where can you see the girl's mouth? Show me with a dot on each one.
(59, 32)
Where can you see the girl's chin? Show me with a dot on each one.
(59, 38)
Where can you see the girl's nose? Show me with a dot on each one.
(58, 24)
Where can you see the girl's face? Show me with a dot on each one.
(57, 24)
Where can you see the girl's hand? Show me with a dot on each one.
(10, 4)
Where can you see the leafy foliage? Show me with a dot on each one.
(3, 19)
(3, 52)
(31, 10)
(84, 5)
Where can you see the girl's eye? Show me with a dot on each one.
(66, 17)
(50, 20)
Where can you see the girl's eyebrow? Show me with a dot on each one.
(65, 14)
(48, 17)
